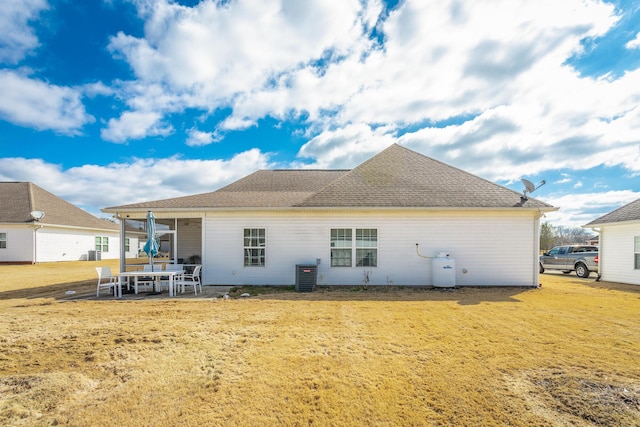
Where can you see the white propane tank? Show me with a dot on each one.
(444, 271)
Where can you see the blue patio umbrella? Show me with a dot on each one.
(151, 247)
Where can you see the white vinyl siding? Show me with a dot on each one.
(618, 253)
(300, 237)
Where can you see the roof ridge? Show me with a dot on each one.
(31, 195)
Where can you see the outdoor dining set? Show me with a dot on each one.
(175, 277)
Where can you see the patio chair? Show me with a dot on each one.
(190, 279)
(164, 280)
(147, 281)
(105, 280)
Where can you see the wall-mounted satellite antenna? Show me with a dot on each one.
(529, 187)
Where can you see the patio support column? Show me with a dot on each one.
(123, 237)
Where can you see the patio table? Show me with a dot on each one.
(157, 275)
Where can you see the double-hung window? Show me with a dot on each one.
(366, 247)
(636, 252)
(102, 244)
(344, 247)
(255, 246)
(3, 240)
(341, 247)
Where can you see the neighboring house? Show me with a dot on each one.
(593, 241)
(358, 226)
(619, 244)
(37, 226)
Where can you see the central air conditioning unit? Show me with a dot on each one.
(306, 277)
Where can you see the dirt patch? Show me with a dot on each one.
(574, 397)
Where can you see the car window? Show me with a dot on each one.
(562, 251)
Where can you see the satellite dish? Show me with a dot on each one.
(37, 215)
(528, 185)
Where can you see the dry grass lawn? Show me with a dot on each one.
(567, 354)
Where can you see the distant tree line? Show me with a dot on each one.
(551, 236)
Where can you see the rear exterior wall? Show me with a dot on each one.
(490, 248)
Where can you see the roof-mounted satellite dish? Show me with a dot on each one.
(37, 215)
(529, 187)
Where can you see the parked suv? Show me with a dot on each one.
(583, 259)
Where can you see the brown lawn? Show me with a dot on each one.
(567, 354)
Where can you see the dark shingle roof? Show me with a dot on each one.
(399, 177)
(264, 189)
(396, 177)
(629, 212)
(18, 199)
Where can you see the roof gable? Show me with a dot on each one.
(628, 212)
(399, 177)
(18, 199)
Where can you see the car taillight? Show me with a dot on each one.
(596, 260)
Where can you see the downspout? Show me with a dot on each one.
(599, 230)
(34, 258)
(536, 249)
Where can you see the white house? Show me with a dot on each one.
(37, 226)
(380, 223)
(619, 244)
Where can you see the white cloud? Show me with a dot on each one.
(216, 53)
(346, 147)
(525, 108)
(198, 138)
(17, 37)
(34, 103)
(135, 124)
(580, 209)
(634, 43)
(94, 187)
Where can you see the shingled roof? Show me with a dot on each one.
(629, 212)
(18, 199)
(396, 177)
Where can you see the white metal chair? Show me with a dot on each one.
(176, 278)
(149, 281)
(190, 279)
(106, 280)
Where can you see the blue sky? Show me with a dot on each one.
(121, 101)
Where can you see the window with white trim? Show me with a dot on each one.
(127, 244)
(366, 247)
(636, 252)
(344, 247)
(255, 247)
(341, 243)
(102, 243)
(3, 240)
